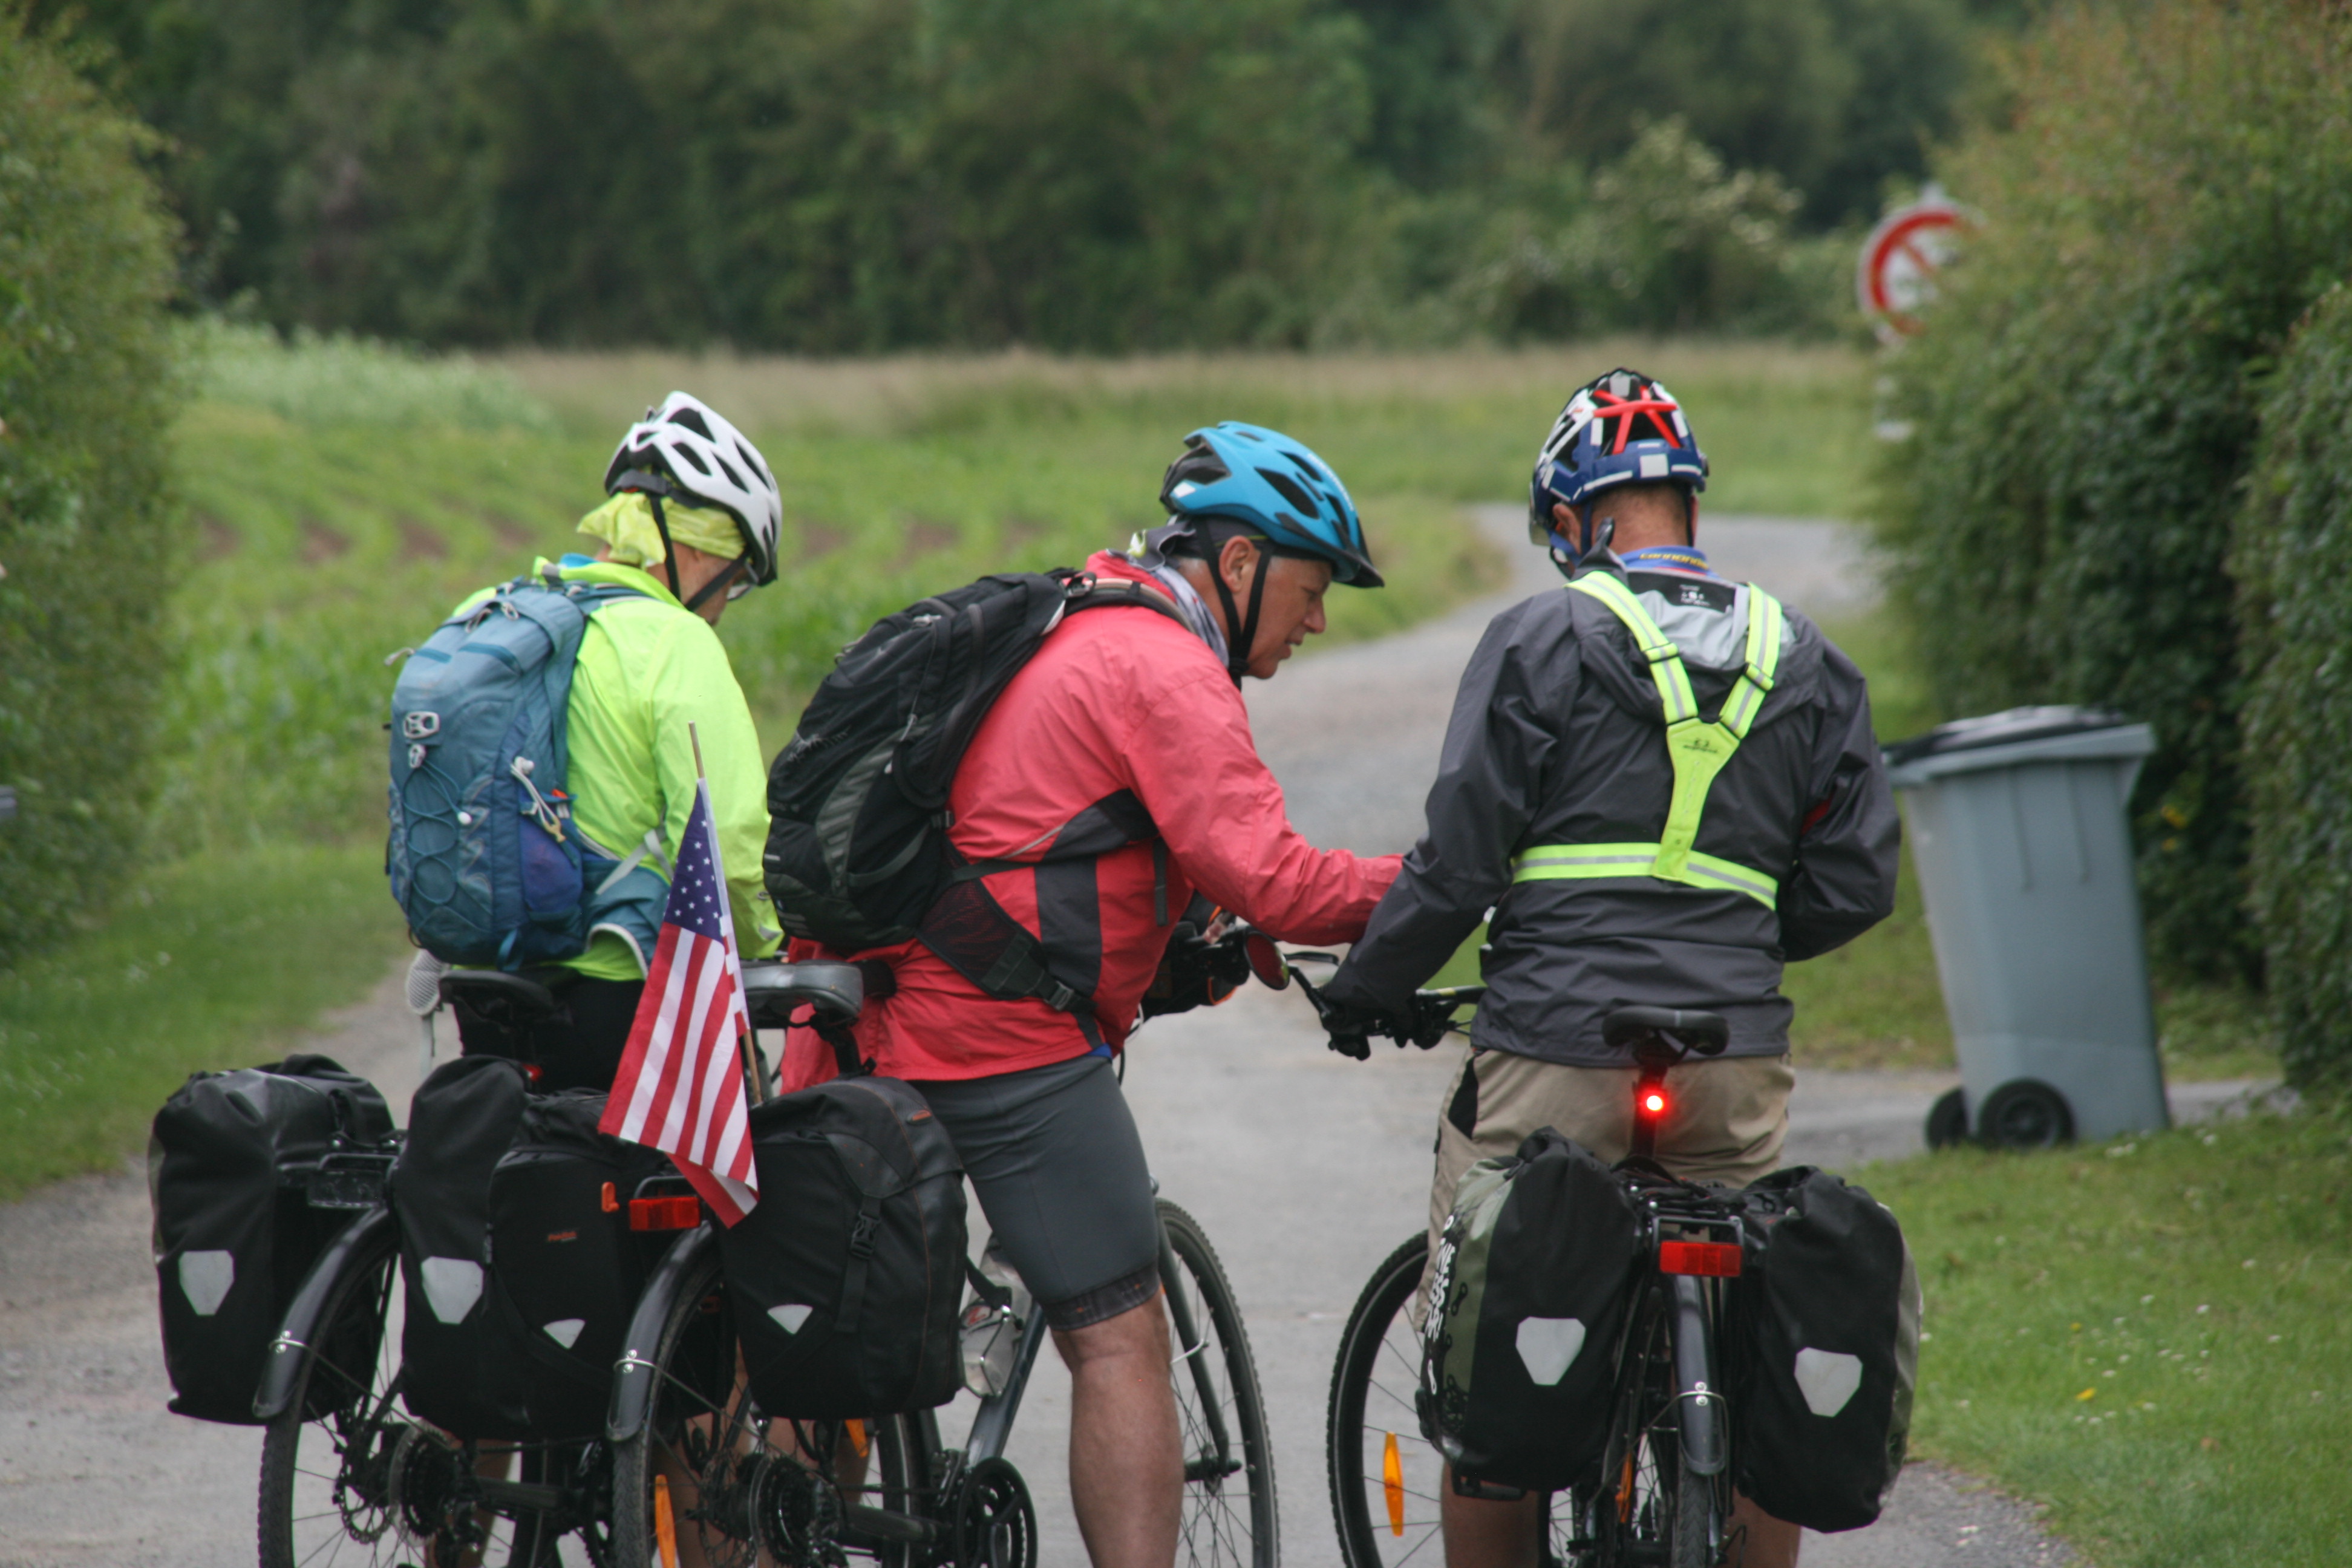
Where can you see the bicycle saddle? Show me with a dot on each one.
(773, 992)
(492, 993)
(1705, 1033)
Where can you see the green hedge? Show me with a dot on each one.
(84, 263)
(2172, 191)
(2292, 558)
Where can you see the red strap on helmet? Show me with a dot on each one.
(1656, 407)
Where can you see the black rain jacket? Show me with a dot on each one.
(1559, 736)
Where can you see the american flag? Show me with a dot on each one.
(681, 1086)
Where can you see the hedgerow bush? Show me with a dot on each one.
(85, 524)
(2293, 559)
(2171, 192)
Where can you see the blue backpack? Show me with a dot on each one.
(484, 858)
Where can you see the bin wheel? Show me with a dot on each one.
(2025, 1113)
(1948, 1120)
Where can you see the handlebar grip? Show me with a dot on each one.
(1706, 1032)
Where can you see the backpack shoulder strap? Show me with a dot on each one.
(1091, 593)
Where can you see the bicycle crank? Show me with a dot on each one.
(995, 1524)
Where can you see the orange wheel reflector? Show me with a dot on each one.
(857, 1438)
(1624, 1492)
(665, 1523)
(1710, 1259)
(1392, 1483)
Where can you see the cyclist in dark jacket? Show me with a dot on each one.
(1658, 787)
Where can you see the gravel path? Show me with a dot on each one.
(1305, 1168)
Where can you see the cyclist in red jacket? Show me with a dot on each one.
(1117, 775)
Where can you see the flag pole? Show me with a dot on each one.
(746, 1043)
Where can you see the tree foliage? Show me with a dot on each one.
(837, 175)
(85, 265)
(2292, 558)
(2174, 190)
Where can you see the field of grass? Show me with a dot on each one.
(2148, 1336)
(212, 962)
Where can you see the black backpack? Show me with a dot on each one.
(857, 854)
(228, 1166)
(1825, 1347)
(1527, 1303)
(521, 1270)
(846, 1276)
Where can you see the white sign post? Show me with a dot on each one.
(1896, 274)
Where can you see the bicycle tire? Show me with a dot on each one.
(695, 1357)
(1374, 1375)
(352, 1352)
(1696, 1522)
(1215, 1533)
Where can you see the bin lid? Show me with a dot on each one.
(2019, 735)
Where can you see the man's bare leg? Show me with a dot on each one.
(1480, 1533)
(1772, 1543)
(1127, 1465)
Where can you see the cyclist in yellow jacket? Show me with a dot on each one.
(690, 525)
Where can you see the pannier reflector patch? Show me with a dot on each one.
(452, 1285)
(1548, 1347)
(791, 1316)
(1827, 1379)
(565, 1331)
(206, 1278)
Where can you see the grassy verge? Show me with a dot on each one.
(2148, 1336)
(207, 964)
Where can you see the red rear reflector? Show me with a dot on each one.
(665, 1214)
(1710, 1259)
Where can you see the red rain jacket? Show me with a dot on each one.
(1117, 702)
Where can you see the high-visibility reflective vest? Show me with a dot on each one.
(1696, 749)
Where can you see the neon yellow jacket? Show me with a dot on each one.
(647, 668)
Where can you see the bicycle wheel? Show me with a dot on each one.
(1385, 1479)
(347, 1476)
(1229, 1503)
(709, 1468)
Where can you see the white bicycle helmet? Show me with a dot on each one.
(685, 449)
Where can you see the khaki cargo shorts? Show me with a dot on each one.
(1726, 1120)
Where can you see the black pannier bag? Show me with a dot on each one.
(455, 1360)
(1527, 1303)
(228, 1164)
(846, 1276)
(566, 1270)
(522, 1271)
(1824, 1350)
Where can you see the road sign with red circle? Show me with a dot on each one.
(1900, 260)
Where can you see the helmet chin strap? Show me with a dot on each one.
(1237, 648)
(669, 550)
(733, 569)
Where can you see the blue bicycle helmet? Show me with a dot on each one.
(1621, 429)
(1278, 487)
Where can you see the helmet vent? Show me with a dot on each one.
(695, 459)
(692, 419)
(1291, 491)
(729, 470)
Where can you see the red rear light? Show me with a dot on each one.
(1708, 1259)
(665, 1214)
(1654, 1103)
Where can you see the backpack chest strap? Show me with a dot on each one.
(1696, 749)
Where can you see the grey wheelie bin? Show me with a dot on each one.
(2019, 830)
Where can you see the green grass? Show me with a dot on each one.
(211, 962)
(2148, 1336)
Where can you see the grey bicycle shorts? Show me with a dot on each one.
(1054, 1155)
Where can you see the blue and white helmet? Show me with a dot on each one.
(1278, 486)
(1621, 429)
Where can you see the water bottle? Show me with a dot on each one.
(992, 1335)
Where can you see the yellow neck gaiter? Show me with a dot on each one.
(626, 523)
